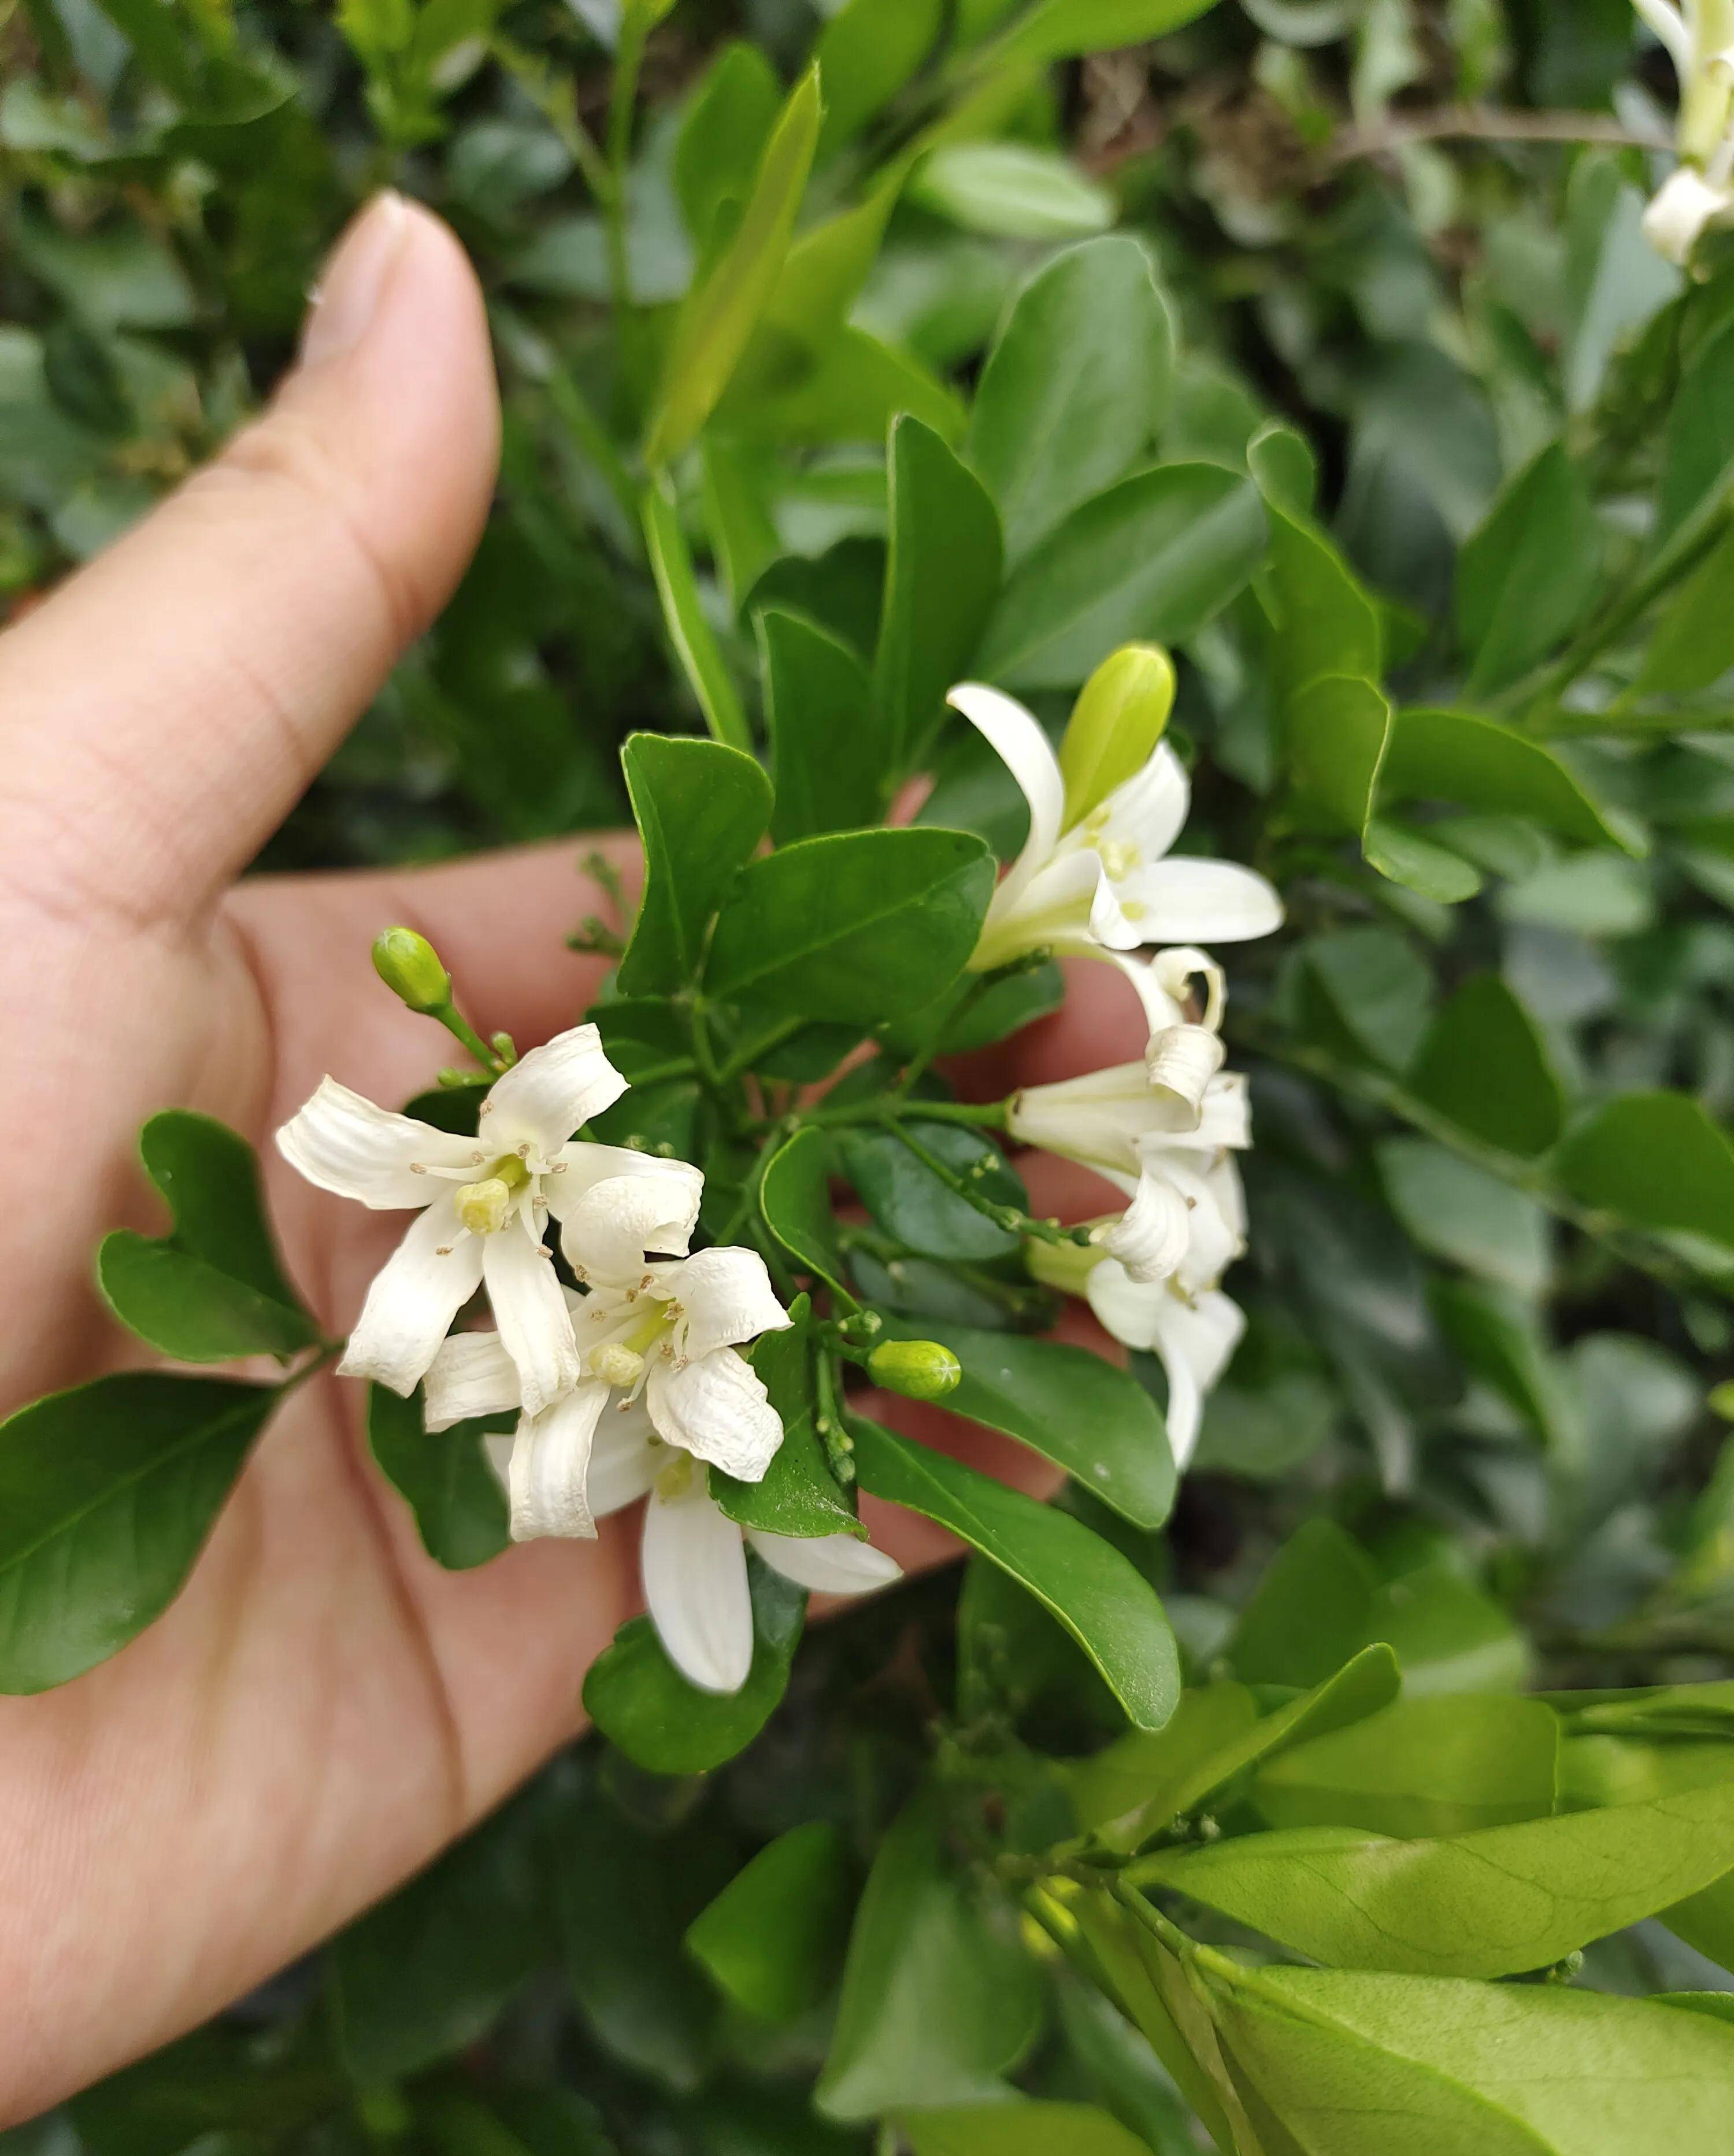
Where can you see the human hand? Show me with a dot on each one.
(323, 1708)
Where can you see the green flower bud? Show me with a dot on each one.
(919, 1369)
(1116, 725)
(410, 968)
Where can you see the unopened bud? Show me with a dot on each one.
(1116, 725)
(919, 1369)
(409, 966)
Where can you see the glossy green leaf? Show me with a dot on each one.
(772, 1941)
(638, 1698)
(1693, 646)
(1657, 1160)
(1059, 416)
(1060, 29)
(827, 752)
(1362, 2065)
(1019, 2129)
(213, 1289)
(689, 633)
(738, 514)
(939, 1999)
(942, 578)
(913, 1205)
(795, 1197)
(1098, 1595)
(1151, 560)
(702, 809)
(1422, 1767)
(1073, 1407)
(866, 53)
(106, 1495)
(860, 925)
(1527, 576)
(1698, 450)
(1459, 1212)
(1011, 191)
(1323, 620)
(717, 318)
(1484, 1066)
(798, 1495)
(1339, 731)
(1476, 763)
(460, 1509)
(1492, 1902)
(1379, 989)
(723, 136)
(1706, 1921)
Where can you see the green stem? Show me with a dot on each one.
(740, 1064)
(455, 1023)
(982, 1115)
(1010, 1218)
(573, 408)
(622, 103)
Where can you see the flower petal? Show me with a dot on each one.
(343, 1143)
(529, 1309)
(1176, 971)
(1189, 900)
(550, 1466)
(695, 1572)
(1180, 1062)
(1149, 812)
(1152, 1239)
(1227, 1120)
(579, 1167)
(717, 1409)
(548, 1093)
(610, 1229)
(1016, 737)
(828, 1565)
(423, 1286)
(1196, 1343)
(1126, 1308)
(471, 1375)
(728, 1300)
(624, 1458)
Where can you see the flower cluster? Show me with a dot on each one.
(1095, 879)
(651, 1333)
(1699, 196)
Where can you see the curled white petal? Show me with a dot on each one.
(550, 1467)
(1227, 1116)
(1686, 206)
(471, 1375)
(1177, 969)
(529, 1309)
(1189, 900)
(616, 1223)
(1016, 738)
(341, 1142)
(1152, 1238)
(827, 1564)
(717, 1409)
(695, 1573)
(548, 1093)
(727, 1298)
(410, 1309)
(1196, 1343)
(1180, 1062)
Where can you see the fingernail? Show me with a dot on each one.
(347, 296)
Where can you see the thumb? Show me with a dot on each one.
(163, 710)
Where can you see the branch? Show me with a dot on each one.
(1469, 123)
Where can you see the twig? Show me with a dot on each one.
(1469, 123)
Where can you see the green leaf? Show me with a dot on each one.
(1362, 2065)
(1706, 1921)
(857, 927)
(866, 53)
(640, 1702)
(717, 317)
(214, 1290)
(1011, 191)
(1073, 1407)
(723, 136)
(1477, 763)
(1062, 29)
(1098, 1595)
(1339, 730)
(827, 753)
(1493, 1902)
(1060, 415)
(702, 809)
(942, 578)
(1698, 452)
(1422, 1767)
(1153, 560)
(460, 1510)
(772, 1941)
(1019, 2129)
(798, 1494)
(1656, 1159)
(1457, 1211)
(1693, 646)
(1378, 990)
(428, 1973)
(106, 1495)
(795, 1198)
(1485, 1067)
(939, 1998)
(1323, 621)
(1527, 577)
(683, 616)
(737, 514)
(909, 1201)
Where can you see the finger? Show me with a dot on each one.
(1101, 1022)
(162, 712)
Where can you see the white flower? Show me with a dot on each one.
(482, 1203)
(668, 1341)
(1686, 208)
(1193, 1336)
(1699, 35)
(1106, 885)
